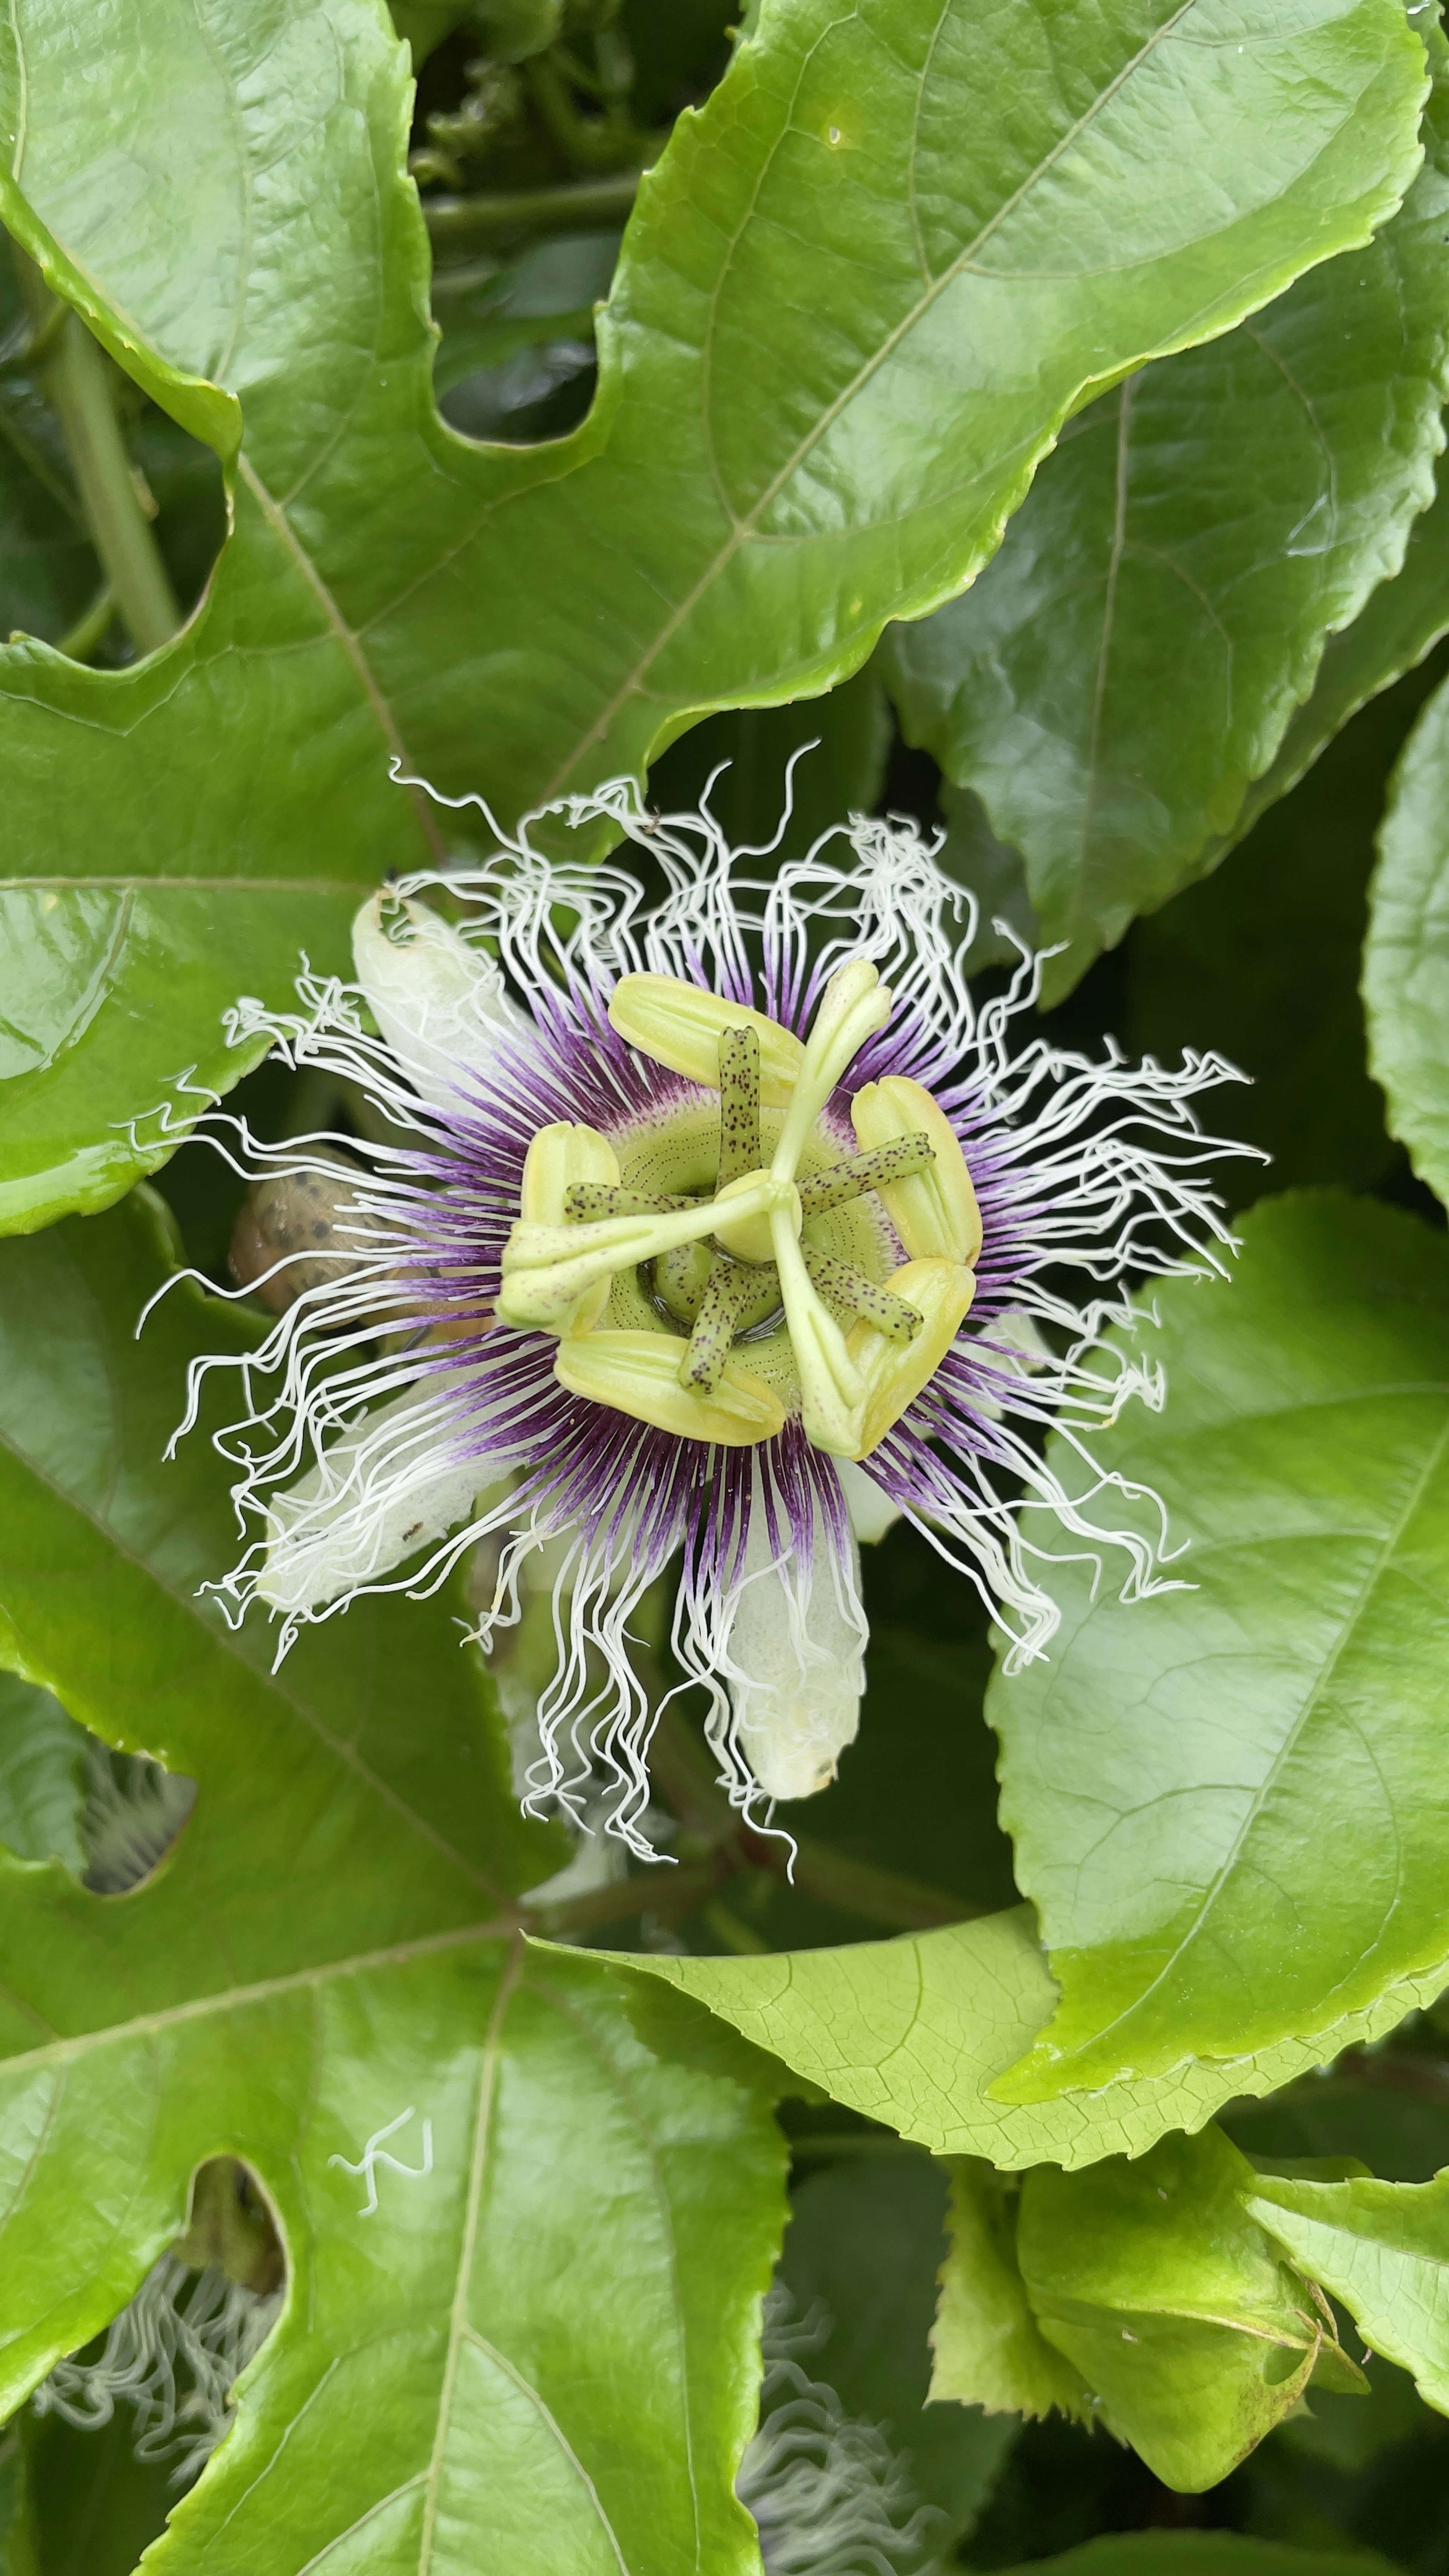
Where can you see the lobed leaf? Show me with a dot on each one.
(1178, 1772)
(851, 228)
(327, 1966)
(1217, 517)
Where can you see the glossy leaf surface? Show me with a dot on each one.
(1216, 518)
(327, 1967)
(850, 225)
(1406, 956)
(42, 1781)
(1176, 1772)
(1261, 961)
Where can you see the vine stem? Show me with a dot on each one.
(587, 203)
(73, 371)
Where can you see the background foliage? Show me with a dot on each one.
(1051, 396)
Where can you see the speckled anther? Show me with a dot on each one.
(761, 1238)
(821, 1191)
(739, 1105)
(729, 1289)
(852, 1294)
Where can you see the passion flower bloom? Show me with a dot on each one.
(715, 1225)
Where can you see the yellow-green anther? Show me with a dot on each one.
(822, 1191)
(739, 1105)
(638, 1373)
(831, 1388)
(842, 1286)
(893, 1377)
(547, 1267)
(934, 1210)
(729, 1288)
(680, 1027)
(588, 1200)
(854, 1005)
(561, 1158)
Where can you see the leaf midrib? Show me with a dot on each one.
(743, 527)
(230, 1999)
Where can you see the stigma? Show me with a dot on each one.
(730, 1265)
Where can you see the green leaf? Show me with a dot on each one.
(866, 2241)
(1261, 962)
(1402, 622)
(42, 1775)
(1383, 2249)
(1162, 2290)
(89, 2505)
(914, 2032)
(850, 227)
(330, 1947)
(112, 1038)
(1218, 516)
(1406, 956)
(1228, 1801)
(987, 2347)
(1203, 2553)
(381, 1722)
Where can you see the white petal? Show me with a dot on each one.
(794, 1660)
(871, 1511)
(378, 1494)
(440, 1003)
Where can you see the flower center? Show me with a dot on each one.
(743, 1260)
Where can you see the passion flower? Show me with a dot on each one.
(715, 1228)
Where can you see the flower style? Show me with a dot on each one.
(721, 1226)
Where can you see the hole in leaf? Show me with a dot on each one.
(134, 1811)
(110, 1817)
(175, 2352)
(52, 582)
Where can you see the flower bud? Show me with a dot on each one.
(308, 1221)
